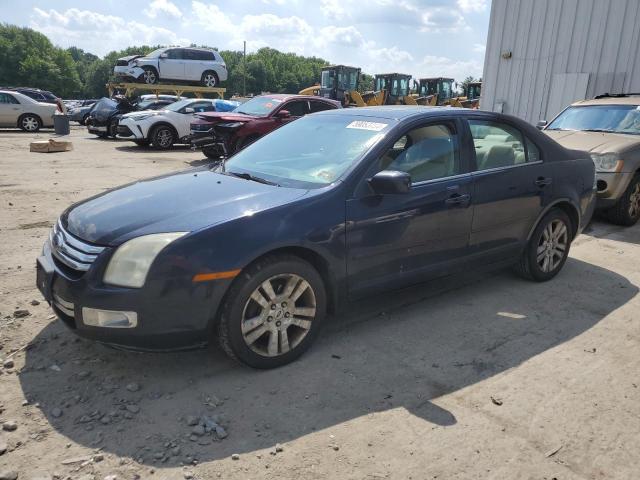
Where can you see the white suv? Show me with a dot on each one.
(201, 65)
(163, 128)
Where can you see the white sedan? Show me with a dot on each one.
(163, 128)
(18, 110)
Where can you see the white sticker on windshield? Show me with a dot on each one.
(362, 125)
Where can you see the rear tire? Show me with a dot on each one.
(547, 249)
(29, 122)
(163, 137)
(210, 79)
(273, 312)
(627, 211)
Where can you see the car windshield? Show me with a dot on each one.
(155, 53)
(600, 118)
(259, 106)
(143, 105)
(175, 106)
(310, 152)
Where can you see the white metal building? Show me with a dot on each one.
(545, 54)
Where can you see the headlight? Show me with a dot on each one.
(230, 125)
(136, 118)
(607, 162)
(128, 267)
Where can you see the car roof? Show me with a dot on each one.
(610, 100)
(401, 112)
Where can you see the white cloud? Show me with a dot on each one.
(342, 36)
(443, 20)
(162, 7)
(333, 9)
(269, 25)
(472, 5)
(392, 56)
(434, 66)
(99, 33)
(479, 47)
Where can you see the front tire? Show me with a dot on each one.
(627, 211)
(273, 312)
(209, 79)
(548, 248)
(150, 76)
(163, 137)
(29, 123)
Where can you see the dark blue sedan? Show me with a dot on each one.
(331, 207)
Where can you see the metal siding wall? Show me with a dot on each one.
(548, 37)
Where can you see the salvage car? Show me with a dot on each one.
(329, 208)
(202, 65)
(20, 111)
(80, 112)
(104, 115)
(169, 125)
(222, 134)
(609, 128)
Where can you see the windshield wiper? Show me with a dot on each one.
(248, 176)
(597, 130)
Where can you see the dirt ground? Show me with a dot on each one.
(483, 376)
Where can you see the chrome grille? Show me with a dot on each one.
(64, 306)
(72, 252)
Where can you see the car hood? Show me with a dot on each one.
(215, 117)
(130, 57)
(595, 142)
(179, 202)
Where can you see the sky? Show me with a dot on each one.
(420, 37)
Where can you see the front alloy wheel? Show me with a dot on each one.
(163, 138)
(149, 76)
(278, 315)
(273, 311)
(627, 211)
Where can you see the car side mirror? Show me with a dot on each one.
(541, 124)
(163, 55)
(189, 110)
(390, 182)
(283, 114)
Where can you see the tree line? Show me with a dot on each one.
(29, 59)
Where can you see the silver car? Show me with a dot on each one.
(19, 111)
(196, 65)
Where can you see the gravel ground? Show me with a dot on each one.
(482, 376)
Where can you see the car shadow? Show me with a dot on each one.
(600, 228)
(146, 148)
(401, 349)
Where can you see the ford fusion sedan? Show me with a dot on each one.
(329, 208)
(222, 134)
(163, 128)
(608, 127)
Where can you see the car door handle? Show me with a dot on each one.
(543, 182)
(458, 199)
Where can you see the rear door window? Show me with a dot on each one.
(320, 106)
(497, 144)
(297, 108)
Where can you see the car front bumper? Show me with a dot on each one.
(130, 130)
(611, 186)
(128, 72)
(171, 314)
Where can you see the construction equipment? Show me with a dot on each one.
(471, 97)
(434, 91)
(390, 89)
(338, 82)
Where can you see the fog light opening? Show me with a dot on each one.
(109, 318)
(602, 185)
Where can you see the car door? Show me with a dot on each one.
(296, 109)
(400, 239)
(172, 67)
(10, 110)
(182, 120)
(512, 185)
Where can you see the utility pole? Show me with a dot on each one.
(244, 69)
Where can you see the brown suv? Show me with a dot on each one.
(608, 127)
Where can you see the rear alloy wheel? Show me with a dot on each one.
(150, 77)
(30, 123)
(548, 247)
(627, 211)
(273, 312)
(163, 137)
(209, 79)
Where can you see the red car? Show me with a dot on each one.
(223, 134)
